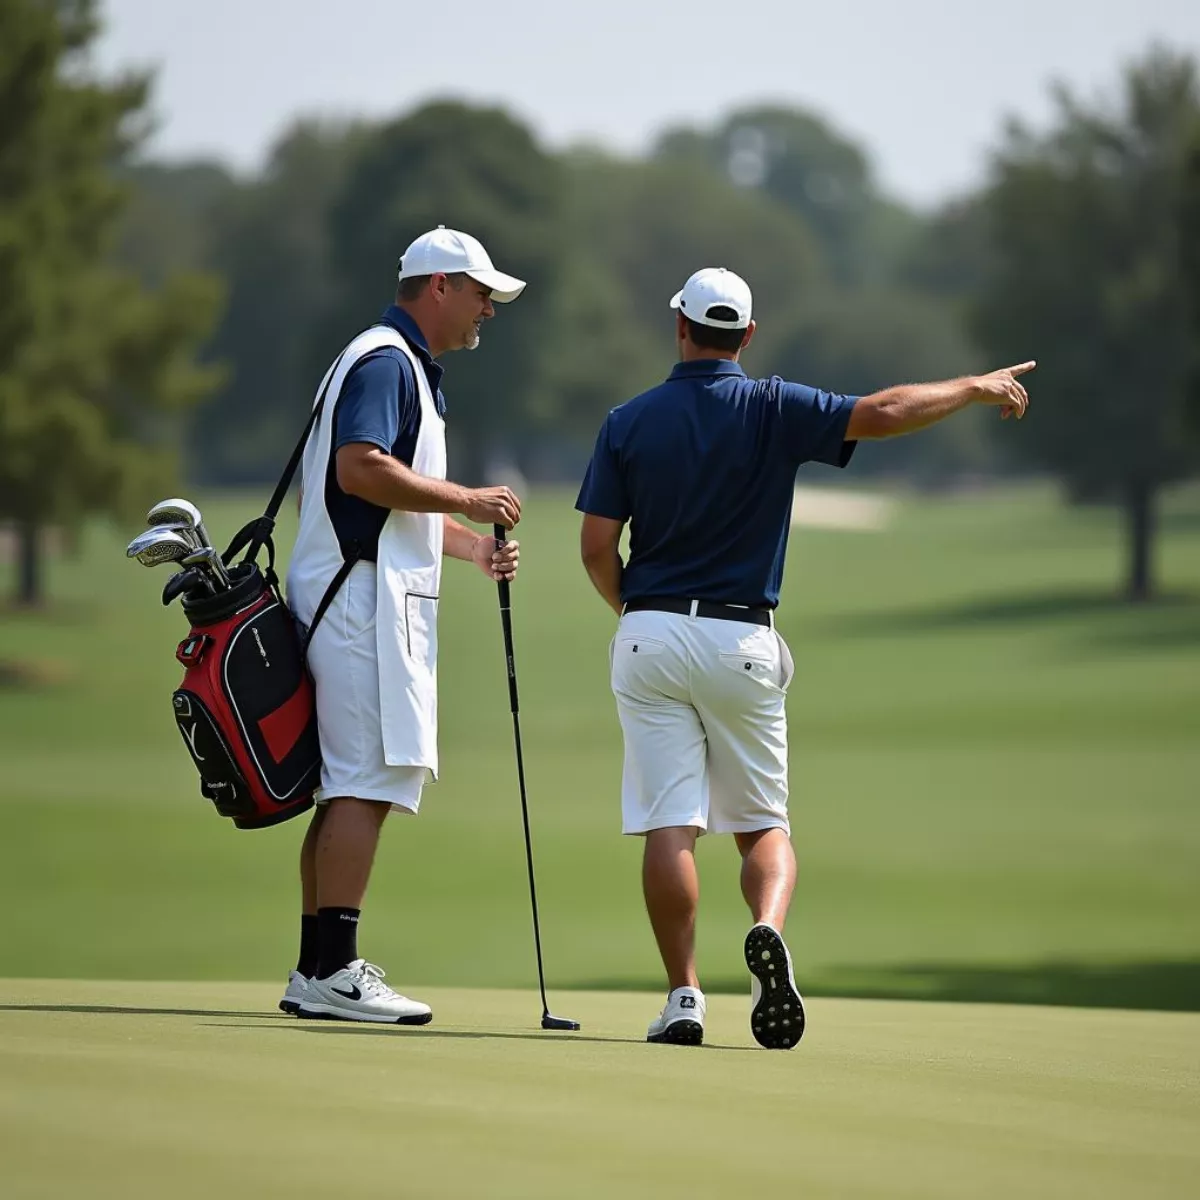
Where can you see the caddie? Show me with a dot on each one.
(702, 468)
(376, 522)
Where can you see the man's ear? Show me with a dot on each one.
(749, 335)
(438, 284)
(681, 329)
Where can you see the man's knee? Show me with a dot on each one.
(364, 811)
(671, 838)
(748, 842)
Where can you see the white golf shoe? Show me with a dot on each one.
(681, 1022)
(776, 1007)
(297, 989)
(358, 993)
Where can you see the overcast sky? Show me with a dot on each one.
(924, 85)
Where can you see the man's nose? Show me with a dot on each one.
(488, 309)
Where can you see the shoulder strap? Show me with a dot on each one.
(354, 554)
(257, 534)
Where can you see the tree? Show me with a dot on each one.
(1084, 274)
(632, 233)
(169, 223)
(475, 169)
(270, 240)
(797, 159)
(653, 224)
(89, 361)
(1189, 241)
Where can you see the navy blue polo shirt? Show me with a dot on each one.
(703, 467)
(379, 405)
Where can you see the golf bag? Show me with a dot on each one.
(246, 708)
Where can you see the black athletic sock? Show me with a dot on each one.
(337, 939)
(306, 964)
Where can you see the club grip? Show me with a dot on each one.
(501, 536)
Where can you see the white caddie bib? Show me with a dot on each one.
(408, 566)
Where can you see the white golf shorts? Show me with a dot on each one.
(345, 669)
(701, 703)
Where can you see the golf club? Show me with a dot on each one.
(185, 581)
(158, 545)
(548, 1021)
(184, 512)
(210, 560)
(184, 529)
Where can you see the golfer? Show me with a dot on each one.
(702, 468)
(375, 494)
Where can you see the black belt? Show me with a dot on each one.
(704, 608)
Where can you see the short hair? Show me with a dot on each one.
(413, 285)
(712, 337)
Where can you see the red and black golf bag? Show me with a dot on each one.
(246, 708)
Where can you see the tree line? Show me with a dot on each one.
(164, 318)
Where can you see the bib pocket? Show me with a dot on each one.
(420, 625)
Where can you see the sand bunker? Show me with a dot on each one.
(832, 508)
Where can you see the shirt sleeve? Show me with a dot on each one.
(377, 403)
(814, 424)
(603, 491)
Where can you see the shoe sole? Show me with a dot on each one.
(291, 1007)
(680, 1033)
(777, 1020)
(329, 1013)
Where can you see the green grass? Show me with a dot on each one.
(995, 778)
(199, 1090)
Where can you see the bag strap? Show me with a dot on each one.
(354, 554)
(257, 534)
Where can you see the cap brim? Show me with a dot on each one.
(505, 288)
(675, 299)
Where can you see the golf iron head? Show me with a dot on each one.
(210, 561)
(159, 545)
(177, 511)
(185, 531)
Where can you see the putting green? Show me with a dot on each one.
(202, 1089)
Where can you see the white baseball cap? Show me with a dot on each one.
(449, 252)
(710, 288)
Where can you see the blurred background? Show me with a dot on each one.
(996, 715)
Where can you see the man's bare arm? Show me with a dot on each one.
(480, 548)
(459, 541)
(914, 406)
(599, 540)
(374, 475)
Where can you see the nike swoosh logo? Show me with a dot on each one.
(352, 994)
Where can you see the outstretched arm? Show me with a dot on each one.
(914, 406)
(599, 540)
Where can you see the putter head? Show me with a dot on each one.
(549, 1022)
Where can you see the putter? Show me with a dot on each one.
(548, 1021)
